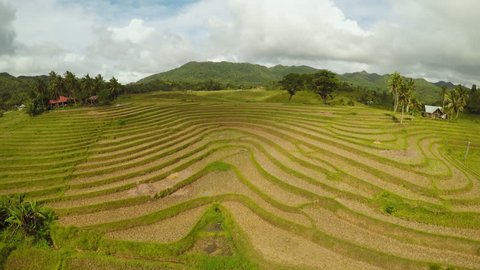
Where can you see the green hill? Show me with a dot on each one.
(425, 91)
(237, 74)
(251, 75)
(14, 90)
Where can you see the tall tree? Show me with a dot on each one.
(56, 86)
(114, 87)
(456, 101)
(444, 94)
(86, 88)
(405, 95)
(39, 97)
(292, 82)
(463, 92)
(98, 84)
(323, 83)
(72, 85)
(394, 84)
(473, 103)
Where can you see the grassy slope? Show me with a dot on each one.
(80, 250)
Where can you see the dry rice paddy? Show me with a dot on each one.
(304, 187)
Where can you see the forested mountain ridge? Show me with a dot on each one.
(251, 75)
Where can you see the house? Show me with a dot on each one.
(434, 112)
(93, 100)
(60, 101)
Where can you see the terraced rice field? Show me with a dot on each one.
(215, 184)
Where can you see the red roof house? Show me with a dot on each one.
(61, 100)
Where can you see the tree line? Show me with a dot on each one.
(80, 90)
(160, 85)
(403, 91)
(453, 101)
(323, 83)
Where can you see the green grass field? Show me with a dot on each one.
(245, 180)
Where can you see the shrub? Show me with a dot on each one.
(35, 107)
(4, 205)
(1, 113)
(27, 217)
(351, 103)
(104, 97)
(389, 209)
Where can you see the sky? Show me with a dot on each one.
(433, 39)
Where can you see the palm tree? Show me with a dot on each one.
(444, 93)
(56, 86)
(455, 101)
(71, 83)
(415, 105)
(394, 84)
(87, 88)
(405, 95)
(98, 84)
(462, 92)
(113, 87)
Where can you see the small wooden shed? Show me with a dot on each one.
(434, 112)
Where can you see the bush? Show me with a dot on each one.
(104, 97)
(35, 107)
(389, 209)
(351, 103)
(28, 218)
(4, 206)
(1, 113)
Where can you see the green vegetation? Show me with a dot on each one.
(15, 90)
(322, 83)
(23, 225)
(241, 179)
(225, 75)
(455, 101)
(242, 75)
(35, 92)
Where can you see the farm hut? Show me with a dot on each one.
(60, 101)
(434, 112)
(93, 100)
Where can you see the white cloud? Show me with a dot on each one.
(136, 32)
(7, 33)
(432, 38)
